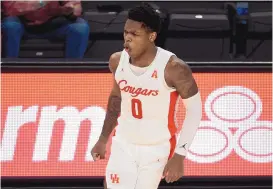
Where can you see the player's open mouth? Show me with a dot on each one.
(126, 49)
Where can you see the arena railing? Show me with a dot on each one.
(86, 65)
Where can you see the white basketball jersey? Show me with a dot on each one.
(148, 104)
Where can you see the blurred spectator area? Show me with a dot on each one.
(194, 31)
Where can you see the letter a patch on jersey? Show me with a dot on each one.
(154, 75)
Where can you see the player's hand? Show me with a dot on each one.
(174, 169)
(99, 150)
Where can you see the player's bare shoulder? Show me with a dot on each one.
(174, 69)
(114, 61)
(178, 74)
(176, 66)
(113, 65)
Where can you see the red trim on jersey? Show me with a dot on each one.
(172, 144)
(171, 122)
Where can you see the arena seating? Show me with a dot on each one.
(259, 34)
(210, 33)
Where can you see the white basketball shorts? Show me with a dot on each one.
(133, 166)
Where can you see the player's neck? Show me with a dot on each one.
(146, 58)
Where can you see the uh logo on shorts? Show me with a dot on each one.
(114, 178)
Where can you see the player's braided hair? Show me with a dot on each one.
(146, 14)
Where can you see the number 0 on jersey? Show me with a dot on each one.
(137, 108)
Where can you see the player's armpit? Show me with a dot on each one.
(179, 75)
(114, 102)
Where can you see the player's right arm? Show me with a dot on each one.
(112, 113)
(114, 101)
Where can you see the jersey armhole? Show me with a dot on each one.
(120, 64)
(164, 80)
(171, 89)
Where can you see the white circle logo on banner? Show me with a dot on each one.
(211, 144)
(232, 105)
(255, 143)
(228, 108)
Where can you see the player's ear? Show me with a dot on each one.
(153, 36)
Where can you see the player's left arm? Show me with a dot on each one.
(179, 76)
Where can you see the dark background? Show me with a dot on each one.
(223, 34)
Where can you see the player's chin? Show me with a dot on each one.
(133, 54)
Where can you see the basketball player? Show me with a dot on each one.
(147, 83)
